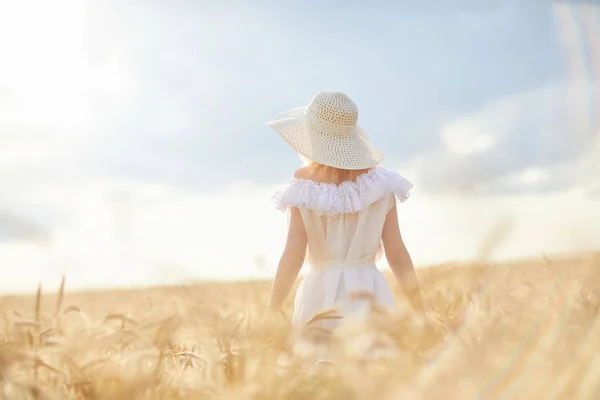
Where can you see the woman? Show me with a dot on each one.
(342, 208)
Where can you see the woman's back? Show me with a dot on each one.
(343, 222)
(341, 209)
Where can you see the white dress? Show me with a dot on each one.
(343, 226)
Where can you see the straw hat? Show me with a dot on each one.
(326, 131)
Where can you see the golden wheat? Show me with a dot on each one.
(506, 331)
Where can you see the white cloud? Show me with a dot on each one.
(123, 232)
(464, 140)
(127, 232)
(552, 130)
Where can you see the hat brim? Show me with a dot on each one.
(352, 152)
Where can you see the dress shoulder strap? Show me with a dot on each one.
(347, 197)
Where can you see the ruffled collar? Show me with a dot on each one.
(347, 197)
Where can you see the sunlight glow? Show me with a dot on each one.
(45, 65)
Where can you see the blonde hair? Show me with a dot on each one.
(332, 174)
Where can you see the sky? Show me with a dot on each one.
(133, 149)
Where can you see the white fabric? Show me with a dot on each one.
(326, 131)
(349, 197)
(343, 225)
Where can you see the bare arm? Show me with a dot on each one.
(399, 260)
(290, 263)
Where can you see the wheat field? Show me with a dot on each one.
(527, 330)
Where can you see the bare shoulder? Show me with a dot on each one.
(304, 173)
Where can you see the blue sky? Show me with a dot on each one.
(131, 132)
(226, 70)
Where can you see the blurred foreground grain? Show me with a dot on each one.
(522, 331)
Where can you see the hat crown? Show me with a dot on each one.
(335, 108)
(327, 131)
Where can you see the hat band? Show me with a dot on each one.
(320, 125)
